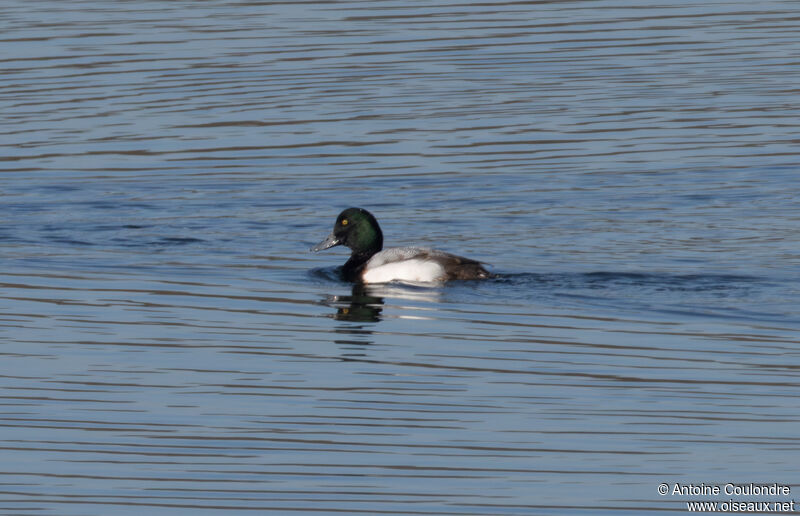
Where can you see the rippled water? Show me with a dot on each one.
(170, 346)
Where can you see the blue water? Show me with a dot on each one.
(170, 345)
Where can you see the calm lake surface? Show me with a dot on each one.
(170, 346)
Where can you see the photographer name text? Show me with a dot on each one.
(729, 489)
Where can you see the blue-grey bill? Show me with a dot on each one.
(327, 243)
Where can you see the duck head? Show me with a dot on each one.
(357, 229)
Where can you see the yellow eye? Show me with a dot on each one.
(344, 222)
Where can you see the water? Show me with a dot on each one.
(170, 346)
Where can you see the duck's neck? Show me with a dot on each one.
(354, 266)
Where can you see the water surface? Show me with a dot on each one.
(170, 346)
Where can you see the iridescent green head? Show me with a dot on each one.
(357, 229)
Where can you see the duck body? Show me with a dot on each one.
(419, 264)
(358, 229)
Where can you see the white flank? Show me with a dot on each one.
(413, 270)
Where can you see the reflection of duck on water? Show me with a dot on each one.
(360, 306)
(365, 302)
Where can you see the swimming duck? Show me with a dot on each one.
(357, 229)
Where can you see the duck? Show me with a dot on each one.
(358, 229)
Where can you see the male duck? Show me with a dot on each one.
(357, 229)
